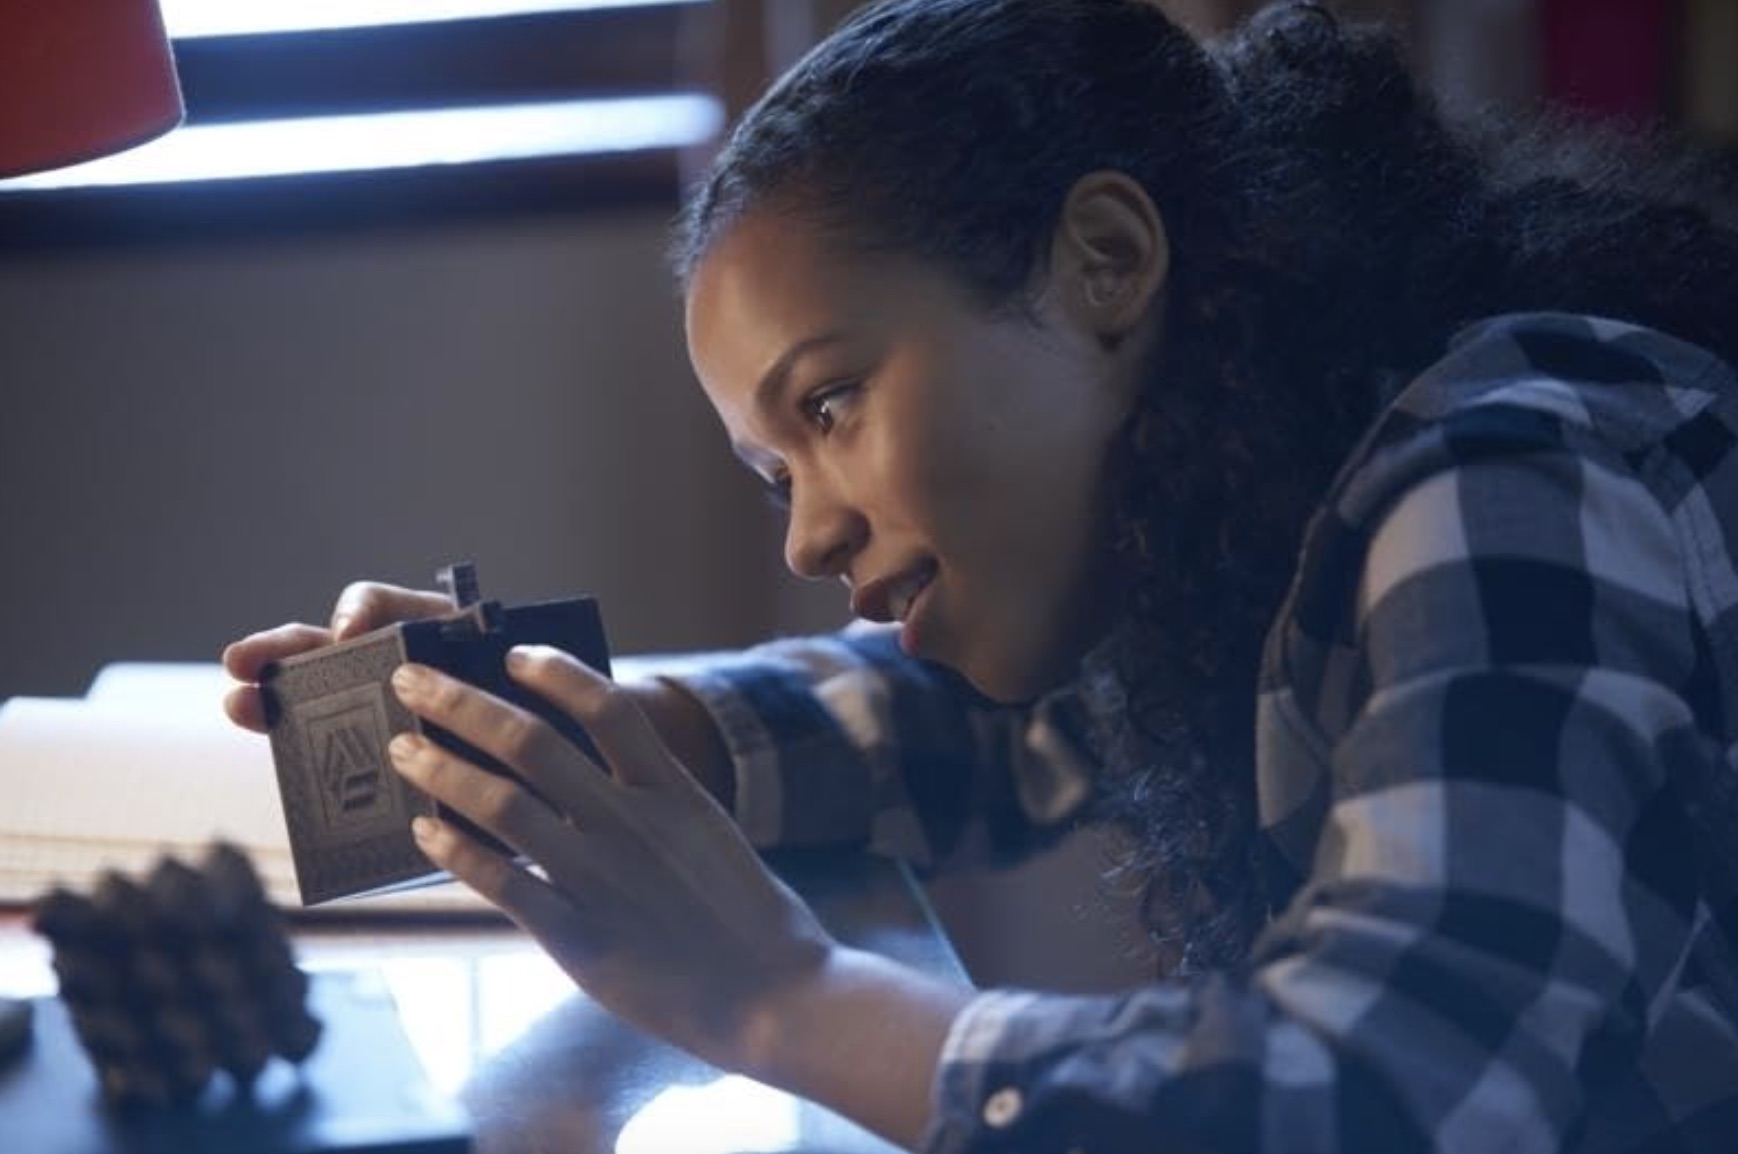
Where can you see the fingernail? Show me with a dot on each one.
(402, 747)
(423, 828)
(409, 680)
(339, 624)
(519, 658)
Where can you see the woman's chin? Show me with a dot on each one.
(1011, 683)
(1009, 674)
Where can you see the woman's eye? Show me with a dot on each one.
(825, 406)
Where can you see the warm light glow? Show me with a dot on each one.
(385, 140)
(514, 990)
(436, 999)
(459, 1006)
(728, 1116)
(26, 969)
(187, 19)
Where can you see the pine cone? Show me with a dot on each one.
(174, 979)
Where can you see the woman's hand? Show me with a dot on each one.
(361, 607)
(653, 901)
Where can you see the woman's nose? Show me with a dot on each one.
(824, 531)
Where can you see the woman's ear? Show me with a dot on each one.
(1110, 257)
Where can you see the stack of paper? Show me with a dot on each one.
(146, 764)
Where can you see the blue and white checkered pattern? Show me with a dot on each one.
(1510, 652)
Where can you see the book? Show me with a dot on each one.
(145, 764)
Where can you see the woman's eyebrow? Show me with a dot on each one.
(772, 382)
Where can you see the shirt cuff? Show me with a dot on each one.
(799, 779)
(967, 1097)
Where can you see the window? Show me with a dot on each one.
(314, 112)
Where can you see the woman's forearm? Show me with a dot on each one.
(862, 1036)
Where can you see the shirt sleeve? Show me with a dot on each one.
(1501, 898)
(843, 739)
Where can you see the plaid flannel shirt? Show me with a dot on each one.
(1509, 655)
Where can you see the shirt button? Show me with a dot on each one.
(1002, 1107)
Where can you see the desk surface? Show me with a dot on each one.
(540, 1067)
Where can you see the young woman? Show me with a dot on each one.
(1221, 447)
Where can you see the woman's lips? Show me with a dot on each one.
(901, 597)
(911, 639)
(892, 599)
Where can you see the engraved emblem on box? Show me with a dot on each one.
(346, 732)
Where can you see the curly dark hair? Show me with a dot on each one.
(1329, 231)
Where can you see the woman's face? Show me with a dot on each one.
(946, 463)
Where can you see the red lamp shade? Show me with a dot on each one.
(82, 78)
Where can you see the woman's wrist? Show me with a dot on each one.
(816, 1035)
(690, 733)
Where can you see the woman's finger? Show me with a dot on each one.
(554, 767)
(616, 724)
(539, 908)
(367, 605)
(497, 803)
(245, 707)
(246, 659)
